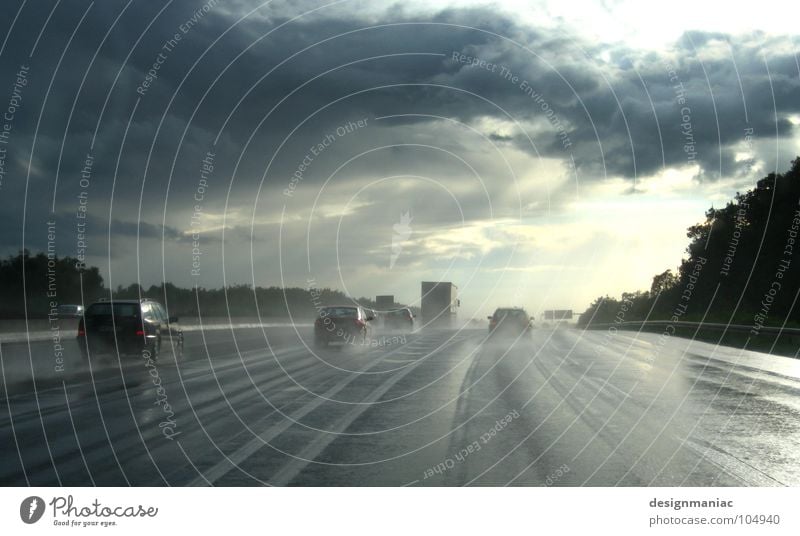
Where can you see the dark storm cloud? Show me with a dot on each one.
(612, 109)
(123, 233)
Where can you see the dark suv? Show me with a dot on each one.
(347, 324)
(510, 320)
(129, 327)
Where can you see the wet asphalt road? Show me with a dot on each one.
(561, 408)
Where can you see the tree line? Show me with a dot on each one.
(33, 283)
(741, 265)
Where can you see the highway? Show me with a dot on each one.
(256, 406)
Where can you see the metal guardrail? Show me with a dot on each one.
(734, 328)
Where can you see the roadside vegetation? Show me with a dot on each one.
(741, 266)
(58, 280)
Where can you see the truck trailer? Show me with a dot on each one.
(384, 303)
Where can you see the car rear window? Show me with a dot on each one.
(119, 309)
(400, 312)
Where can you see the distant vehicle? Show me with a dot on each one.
(510, 320)
(69, 311)
(399, 319)
(343, 324)
(129, 327)
(439, 303)
(384, 302)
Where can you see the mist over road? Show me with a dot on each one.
(437, 407)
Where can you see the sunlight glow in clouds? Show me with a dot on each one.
(497, 204)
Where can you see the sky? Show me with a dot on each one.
(538, 154)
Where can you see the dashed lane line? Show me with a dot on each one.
(237, 457)
(290, 471)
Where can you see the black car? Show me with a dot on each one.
(510, 320)
(129, 327)
(343, 324)
(402, 319)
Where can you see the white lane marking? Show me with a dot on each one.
(237, 457)
(54, 404)
(39, 336)
(205, 408)
(191, 370)
(400, 360)
(595, 382)
(313, 449)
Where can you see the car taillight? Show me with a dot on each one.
(140, 333)
(318, 322)
(81, 331)
(358, 323)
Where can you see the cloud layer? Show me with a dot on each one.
(325, 124)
